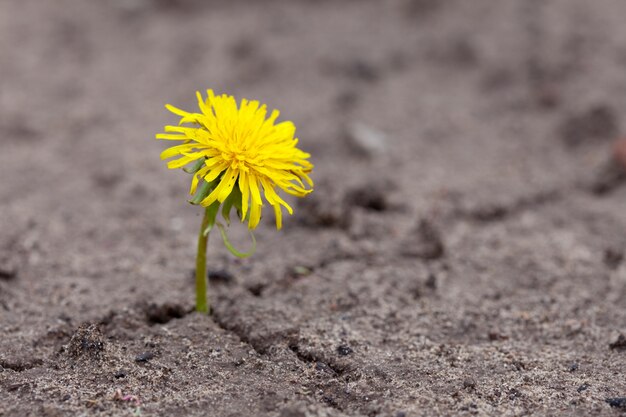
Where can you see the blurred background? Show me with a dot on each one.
(464, 103)
(468, 150)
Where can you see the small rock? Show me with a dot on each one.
(617, 402)
(144, 357)
(120, 374)
(573, 367)
(365, 140)
(583, 387)
(619, 344)
(344, 350)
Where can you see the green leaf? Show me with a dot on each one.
(231, 248)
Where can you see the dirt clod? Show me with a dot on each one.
(87, 341)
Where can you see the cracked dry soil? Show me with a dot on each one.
(468, 262)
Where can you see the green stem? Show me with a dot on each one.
(202, 303)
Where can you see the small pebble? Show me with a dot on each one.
(617, 402)
(573, 367)
(583, 387)
(344, 350)
(144, 357)
(120, 374)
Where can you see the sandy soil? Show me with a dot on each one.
(462, 254)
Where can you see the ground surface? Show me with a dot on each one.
(469, 261)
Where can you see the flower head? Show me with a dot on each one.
(237, 152)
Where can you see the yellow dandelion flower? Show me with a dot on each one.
(238, 152)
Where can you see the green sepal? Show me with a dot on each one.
(211, 213)
(232, 200)
(195, 167)
(231, 248)
(203, 191)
